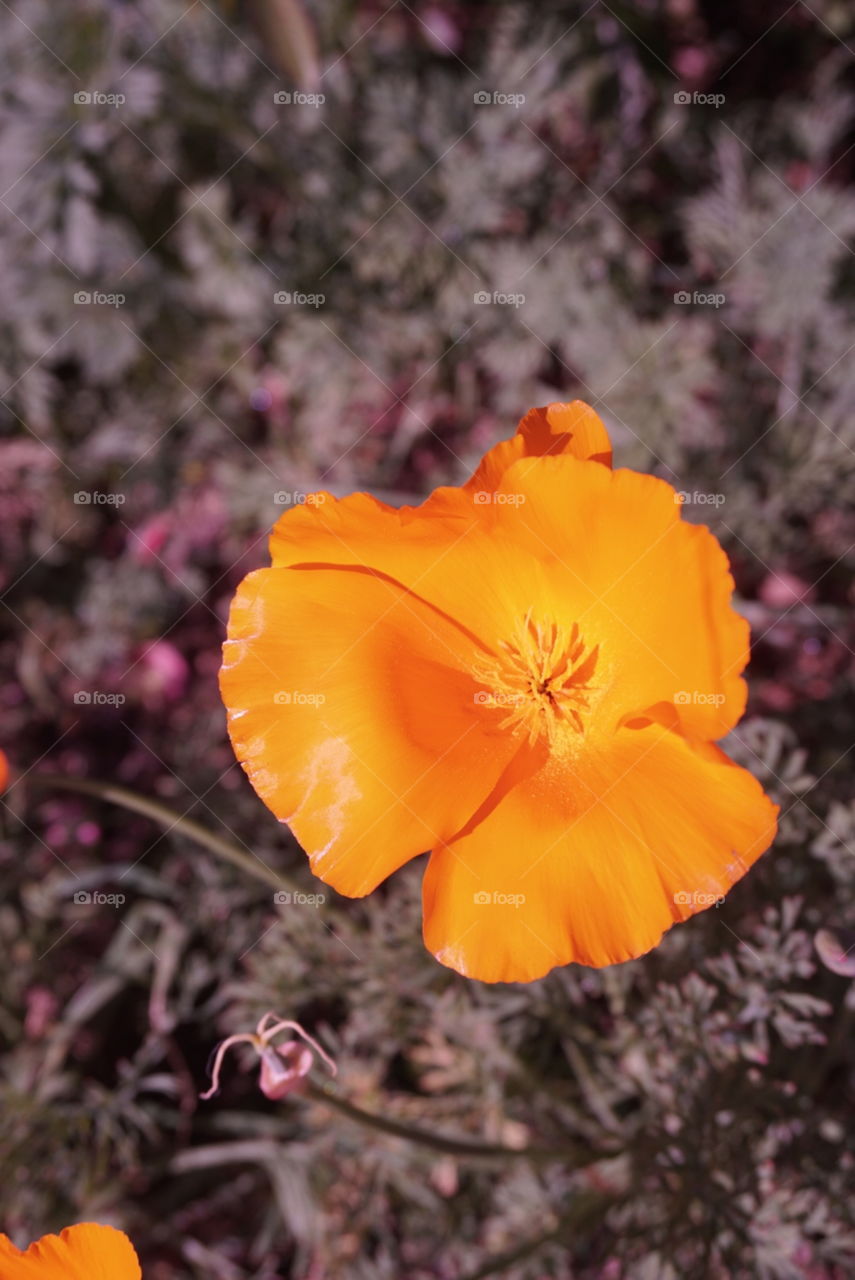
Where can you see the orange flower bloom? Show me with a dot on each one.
(525, 675)
(4, 772)
(88, 1251)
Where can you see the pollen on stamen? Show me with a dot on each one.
(541, 679)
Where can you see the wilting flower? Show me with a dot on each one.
(88, 1251)
(525, 675)
(283, 1066)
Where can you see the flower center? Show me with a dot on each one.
(541, 679)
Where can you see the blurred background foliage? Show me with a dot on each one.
(674, 202)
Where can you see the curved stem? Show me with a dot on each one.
(169, 819)
(569, 1155)
(572, 1156)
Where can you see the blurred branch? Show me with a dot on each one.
(573, 1156)
(288, 38)
(171, 821)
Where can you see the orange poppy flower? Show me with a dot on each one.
(525, 675)
(88, 1251)
(4, 772)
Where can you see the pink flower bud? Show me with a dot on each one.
(283, 1066)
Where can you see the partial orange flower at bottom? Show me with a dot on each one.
(526, 676)
(87, 1251)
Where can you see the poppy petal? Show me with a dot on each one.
(441, 560)
(88, 1251)
(650, 589)
(353, 708)
(360, 529)
(593, 864)
(556, 429)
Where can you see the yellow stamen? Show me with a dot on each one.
(541, 679)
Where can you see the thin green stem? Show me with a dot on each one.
(171, 821)
(572, 1156)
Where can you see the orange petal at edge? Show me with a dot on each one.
(87, 1251)
(353, 709)
(592, 864)
(359, 529)
(553, 430)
